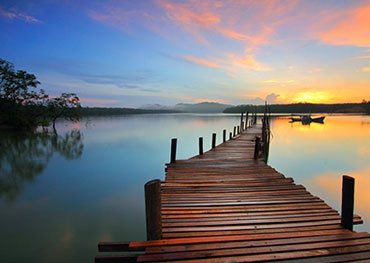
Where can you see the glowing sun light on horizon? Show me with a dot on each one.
(311, 97)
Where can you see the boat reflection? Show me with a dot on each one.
(24, 156)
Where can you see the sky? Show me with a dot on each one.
(130, 53)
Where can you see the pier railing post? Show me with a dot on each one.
(213, 140)
(257, 147)
(230, 135)
(241, 121)
(234, 133)
(153, 210)
(224, 135)
(173, 150)
(246, 120)
(200, 145)
(348, 190)
(238, 129)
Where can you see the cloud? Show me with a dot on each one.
(248, 62)
(272, 98)
(362, 57)
(200, 61)
(348, 27)
(15, 15)
(278, 81)
(366, 69)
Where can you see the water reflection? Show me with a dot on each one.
(24, 156)
(318, 155)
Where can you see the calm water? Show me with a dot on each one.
(61, 194)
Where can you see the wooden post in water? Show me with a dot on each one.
(238, 129)
(257, 146)
(246, 120)
(173, 150)
(224, 135)
(200, 145)
(230, 135)
(153, 210)
(234, 131)
(241, 121)
(348, 190)
(213, 140)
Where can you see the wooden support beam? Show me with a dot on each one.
(224, 136)
(234, 133)
(129, 258)
(230, 135)
(173, 150)
(348, 190)
(213, 140)
(153, 210)
(200, 145)
(257, 147)
(246, 119)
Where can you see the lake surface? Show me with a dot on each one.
(61, 194)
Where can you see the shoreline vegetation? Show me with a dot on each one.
(296, 108)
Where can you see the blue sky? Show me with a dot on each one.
(130, 53)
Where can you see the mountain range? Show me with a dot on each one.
(203, 107)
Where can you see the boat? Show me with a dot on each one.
(306, 119)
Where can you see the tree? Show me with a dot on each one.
(66, 106)
(24, 106)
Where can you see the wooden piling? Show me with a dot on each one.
(348, 190)
(234, 133)
(230, 135)
(224, 136)
(200, 145)
(241, 121)
(238, 129)
(173, 150)
(257, 146)
(153, 209)
(213, 140)
(246, 119)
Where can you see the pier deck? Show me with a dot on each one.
(224, 206)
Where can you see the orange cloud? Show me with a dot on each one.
(349, 28)
(248, 62)
(182, 14)
(366, 69)
(201, 61)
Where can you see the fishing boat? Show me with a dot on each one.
(306, 119)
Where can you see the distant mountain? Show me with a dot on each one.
(155, 107)
(203, 107)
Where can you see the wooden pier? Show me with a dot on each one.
(228, 205)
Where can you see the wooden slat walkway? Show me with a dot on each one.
(223, 206)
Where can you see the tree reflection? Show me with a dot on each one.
(23, 156)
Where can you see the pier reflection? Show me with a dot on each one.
(24, 156)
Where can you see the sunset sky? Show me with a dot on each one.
(129, 53)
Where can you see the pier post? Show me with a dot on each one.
(213, 140)
(153, 209)
(224, 135)
(348, 190)
(173, 150)
(230, 135)
(241, 121)
(200, 145)
(234, 131)
(238, 129)
(246, 120)
(257, 147)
